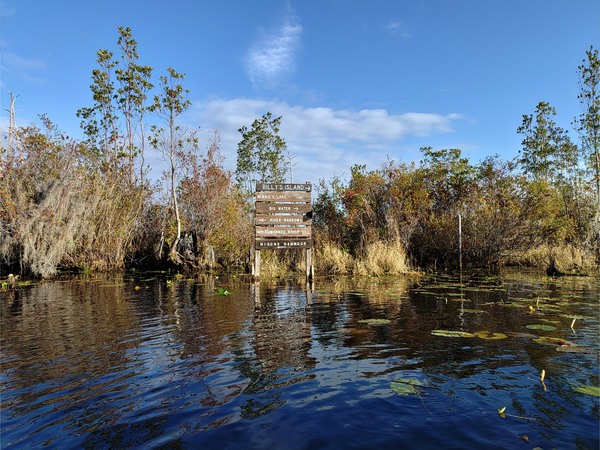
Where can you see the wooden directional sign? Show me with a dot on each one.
(264, 244)
(287, 208)
(283, 220)
(278, 231)
(272, 196)
(287, 187)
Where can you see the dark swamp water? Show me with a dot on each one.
(156, 362)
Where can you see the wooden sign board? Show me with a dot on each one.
(266, 219)
(265, 244)
(273, 196)
(277, 231)
(279, 187)
(283, 220)
(289, 208)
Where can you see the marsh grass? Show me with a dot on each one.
(381, 258)
(565, 258)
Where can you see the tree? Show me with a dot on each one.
(260, 153)
(214, 211)
(172, 140)
(588, 123)
(588, 126)
(134, 81)
(125, 102)
(547, 153)
(99, 122)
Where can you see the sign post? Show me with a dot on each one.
(283, 220)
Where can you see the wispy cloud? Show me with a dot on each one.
(273, 56)
(325, 141)
(396, 28)
(25, 69)
(5, 10)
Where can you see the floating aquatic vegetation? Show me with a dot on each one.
(490, 335)
(502, 413)
(574, 349)
(405, 386)
(574, 316)
(589, 390)
(452, 333)
(546, 340)
(536, 326)
(375, 321)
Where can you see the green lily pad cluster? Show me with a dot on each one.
(405, 386)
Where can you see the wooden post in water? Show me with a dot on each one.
(459, 243)
(256, 265)
(309, 264)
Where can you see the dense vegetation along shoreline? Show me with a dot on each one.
(88, 204)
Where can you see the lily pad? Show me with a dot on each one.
(452, 333)
(589, 390)
(536, 326)
(375, 321)
(411, 381)
(405, 386)
(546, 340)
(490, 335)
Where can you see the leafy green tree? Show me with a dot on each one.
(134, 85)
(588, 123)
(171, 140)
(450, 175)
(119, 92)
(547, 153)
(260, 155)
(99, 122)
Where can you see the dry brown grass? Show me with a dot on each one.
(332, 260)
(383, 258)
(566, 258)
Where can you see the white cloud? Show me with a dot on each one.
(324, 141)
(23, 68)
(273, 57)
(396, 28)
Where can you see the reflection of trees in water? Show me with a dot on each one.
(102, 353)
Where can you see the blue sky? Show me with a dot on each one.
(357, 82)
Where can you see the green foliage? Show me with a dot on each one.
(547, 153)
(214, 210)
(588, 123)
(87, 204)
(260, 153)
